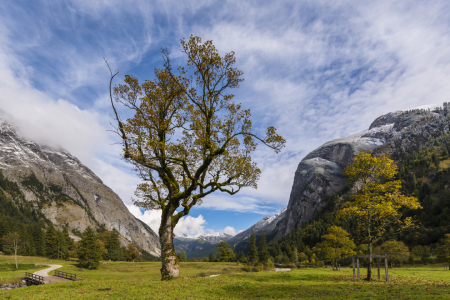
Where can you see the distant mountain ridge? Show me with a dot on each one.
(66, 191)
(212, 238)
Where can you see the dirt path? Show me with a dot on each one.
(44, 273)
(49, 278)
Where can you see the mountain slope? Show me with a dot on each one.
(319, 174)
(265, 225)
(66, 191)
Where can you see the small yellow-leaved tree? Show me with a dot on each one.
(377, 204)
(335, 245)
(187, 138)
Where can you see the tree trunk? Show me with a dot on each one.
(170, 267)
(369, 267)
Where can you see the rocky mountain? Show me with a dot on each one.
(319, 174)
(265, 225)
(66, 191)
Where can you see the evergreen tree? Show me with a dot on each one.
(63, 249)
(263, 253)
(226, 254)
(241, 257)
(211, 258)
(89, 251)
(51, 242)
(39, 240)
(114, 249)
(253, 252)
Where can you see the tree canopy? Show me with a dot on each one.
(187, 137)
(335, 245)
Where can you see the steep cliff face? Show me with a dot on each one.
(319, 174)
(66, 191)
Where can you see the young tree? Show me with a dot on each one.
(253, 252)
(226, 254)
(377, 205)
(133, 252)
(222, 248)
(183, 256)
(89, 251)
(263, 249)
(335, 245)
(302, 257)
(294, 256)
(11, 242)
(241, 257)
(187, 138)
(396, 251)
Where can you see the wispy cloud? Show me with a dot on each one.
(316, 70)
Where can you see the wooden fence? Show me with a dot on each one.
(33, 279)
(69, 276)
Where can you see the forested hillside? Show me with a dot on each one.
(36, 235)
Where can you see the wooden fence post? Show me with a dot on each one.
(378, 265)
(357, 265)
(386, 267)
(353, 265)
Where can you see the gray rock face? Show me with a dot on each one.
(319, 174)
(66, 191)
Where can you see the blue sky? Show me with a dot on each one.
(316, 70)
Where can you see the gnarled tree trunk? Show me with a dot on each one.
(170, 267)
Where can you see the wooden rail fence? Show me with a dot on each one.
(69, 276)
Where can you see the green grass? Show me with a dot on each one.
(9, 274)
(142, 281)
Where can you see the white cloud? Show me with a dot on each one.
(150, 217)
(237, 203)
(187, 225)
(231, 231)
(40, 117)
(315, 70)
(190, 225)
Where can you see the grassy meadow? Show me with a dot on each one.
(127, 280)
